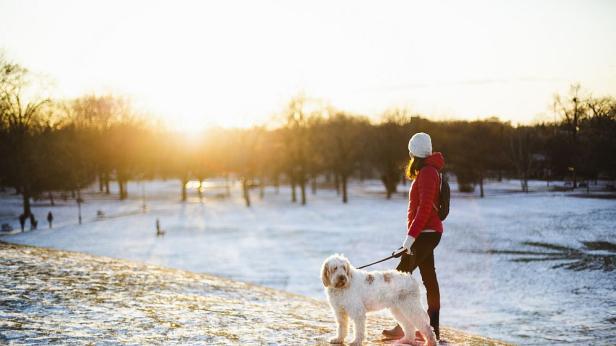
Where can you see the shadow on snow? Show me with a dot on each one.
(594, 255)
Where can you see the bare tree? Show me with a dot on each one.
(387, 149)
(96, 114)
(244, 148)
(344, 141)
(296, 142)
(521, 153)
(572, 110)
(20, 119)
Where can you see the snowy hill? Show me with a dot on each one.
(534, 268)
(52, 296)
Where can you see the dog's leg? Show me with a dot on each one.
(421, 320)
(359, 321)
(407, 326)
(342, 327)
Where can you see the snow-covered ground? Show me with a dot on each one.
(511, 266)
(45, 298)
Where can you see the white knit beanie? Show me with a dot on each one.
(420, 145)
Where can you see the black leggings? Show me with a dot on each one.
(423, 257)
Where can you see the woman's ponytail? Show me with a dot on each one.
(414, 166)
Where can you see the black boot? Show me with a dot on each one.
(434, 316)
(394, 333)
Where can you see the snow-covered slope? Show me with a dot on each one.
(525, 268)
(50, 296)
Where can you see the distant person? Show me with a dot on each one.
(22, 221)
(424, 227)
(159, 231)
(50, 219)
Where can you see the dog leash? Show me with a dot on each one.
(399, 252)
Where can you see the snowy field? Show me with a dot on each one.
(123, 302)
(526, 268)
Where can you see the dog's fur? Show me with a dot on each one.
(352, 293)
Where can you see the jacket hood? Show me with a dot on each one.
(435, 160)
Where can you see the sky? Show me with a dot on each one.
(237, 63)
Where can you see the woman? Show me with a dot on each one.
(424, 227)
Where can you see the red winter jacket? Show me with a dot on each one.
(423, 197)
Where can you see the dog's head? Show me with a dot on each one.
(336, 272)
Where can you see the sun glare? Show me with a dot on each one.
(193, 184)
(201, 185)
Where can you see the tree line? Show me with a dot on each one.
(51, 145)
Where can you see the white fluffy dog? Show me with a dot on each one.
(352, 293)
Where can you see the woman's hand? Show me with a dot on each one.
(407, 243)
